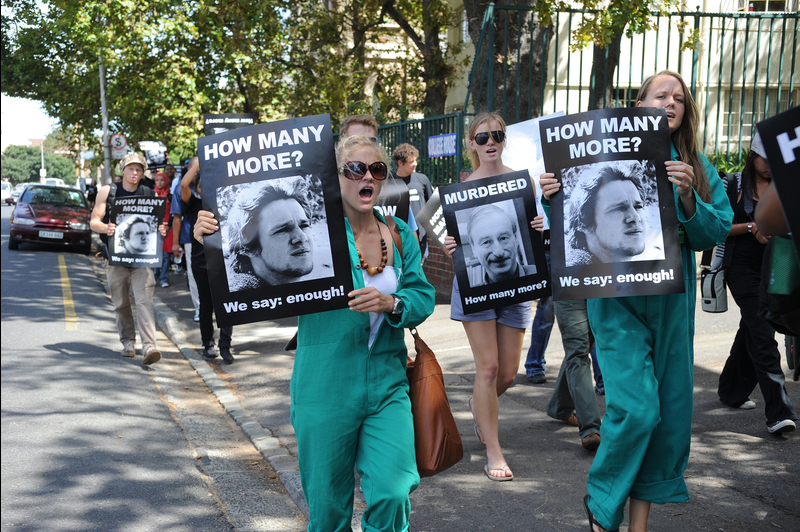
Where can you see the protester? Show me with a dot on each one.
(182, 246)
(754, 357)
(122, 280)
(360, 412)
(495, 335)
(419, 186)
(191, 194)
(91, 193)
(367, 125)
(163, 191)
(645, 343)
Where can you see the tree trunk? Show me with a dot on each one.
(516, 91)
(604, 67)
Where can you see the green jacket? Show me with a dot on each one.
(333, 357)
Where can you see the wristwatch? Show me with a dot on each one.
(398, 306)
(750, 227)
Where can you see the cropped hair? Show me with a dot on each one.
(477, 214)
(364, 120)
(480, 119)
(404, 152)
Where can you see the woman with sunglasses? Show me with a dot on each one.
(645, 343)
(495, 335)
(349, 390)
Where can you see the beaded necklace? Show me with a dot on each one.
(374, 270)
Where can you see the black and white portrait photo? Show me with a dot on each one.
(136, 241)
(494, 249)
(274, 188)
(274, 232)
(136, 234)
(611, 213)
(500, 259)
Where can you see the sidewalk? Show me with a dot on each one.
(740, 477)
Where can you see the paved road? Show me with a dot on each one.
(92, 441)
(740, 477)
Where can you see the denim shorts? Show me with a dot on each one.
(517, 315)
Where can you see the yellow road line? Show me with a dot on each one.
(66, 289)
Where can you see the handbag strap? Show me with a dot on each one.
(398, 241)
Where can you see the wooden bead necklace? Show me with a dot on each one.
(374, 270)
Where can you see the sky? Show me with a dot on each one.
(23, 119)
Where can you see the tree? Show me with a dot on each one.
(522, 71)
(21, 164)
(605, 28)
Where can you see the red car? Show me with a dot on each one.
(51, 215)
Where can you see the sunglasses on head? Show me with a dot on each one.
(356, 170)
(482, 138)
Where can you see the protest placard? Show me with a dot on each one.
(523, 149)
(275, 190)
(781, 137)
(394, 199)
(431, 218)
(214, 124)
(136, 241)
(500, 258)
(614, 229)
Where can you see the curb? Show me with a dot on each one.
(284, 464)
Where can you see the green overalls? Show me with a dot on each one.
(646, 354)
(350, 404)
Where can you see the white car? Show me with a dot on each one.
(6, 191)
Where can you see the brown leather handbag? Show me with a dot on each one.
(436, 438)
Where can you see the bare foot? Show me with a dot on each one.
(499, 472)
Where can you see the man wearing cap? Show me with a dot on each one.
(123, 279)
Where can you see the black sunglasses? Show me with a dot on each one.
(356, 170)
(482, 138)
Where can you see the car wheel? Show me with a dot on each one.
(13, 243)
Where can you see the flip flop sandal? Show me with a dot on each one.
(592, 520)
(475, 423)
(506, 478)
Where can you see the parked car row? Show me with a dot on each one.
(52, 215)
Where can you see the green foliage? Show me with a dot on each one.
(729, 162)
(169, 61)
(21, 164)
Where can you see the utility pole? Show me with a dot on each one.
(42, 170)
(104, 108)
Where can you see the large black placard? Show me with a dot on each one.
(500, 260)
(781, 137)
(614, 229)
(275, 190)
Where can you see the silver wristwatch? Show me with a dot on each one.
(398, 306)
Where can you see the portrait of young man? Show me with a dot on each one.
(611, 215)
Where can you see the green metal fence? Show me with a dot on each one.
(742, 71)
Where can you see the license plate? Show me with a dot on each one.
(51, 234)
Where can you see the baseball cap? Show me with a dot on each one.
(132, 158)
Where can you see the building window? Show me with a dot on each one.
(736, 116)
(768, 5)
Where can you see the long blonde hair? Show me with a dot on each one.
(685, 137)
(480, 119)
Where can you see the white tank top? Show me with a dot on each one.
(386, 283)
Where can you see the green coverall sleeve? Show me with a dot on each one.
(711, 222)
(412, 287)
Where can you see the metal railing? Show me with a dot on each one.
(742, 71)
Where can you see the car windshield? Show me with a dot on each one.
(6, 186)
(53, 196)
